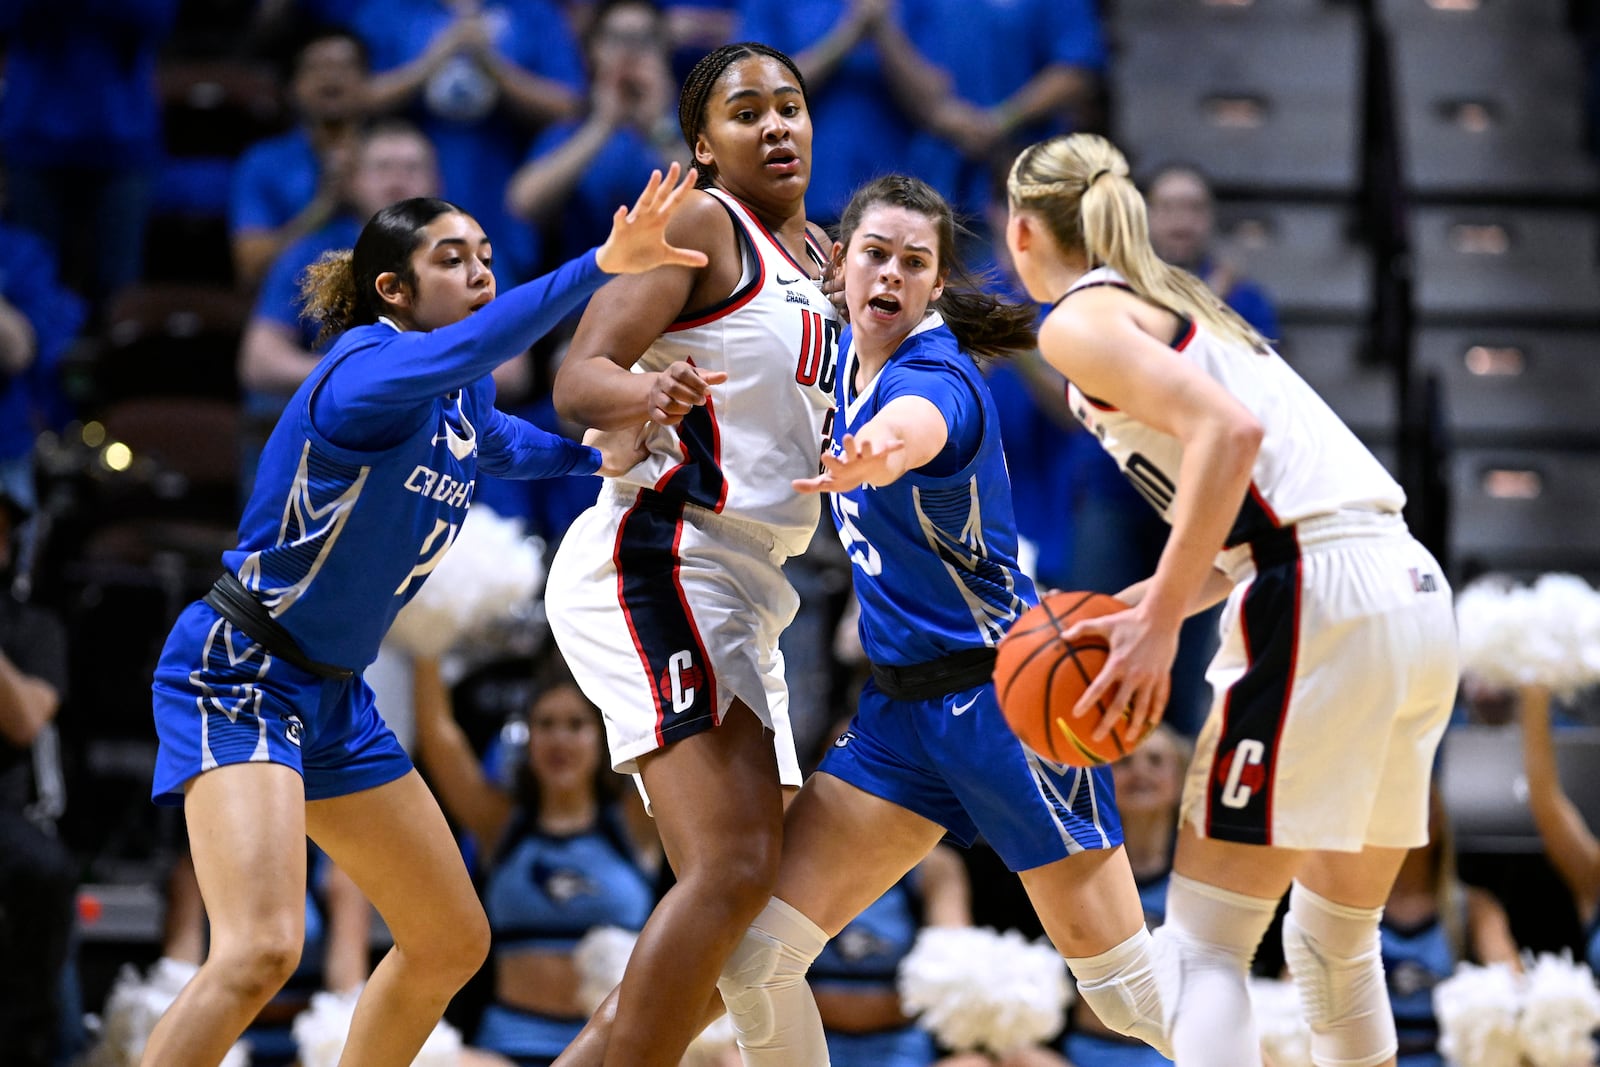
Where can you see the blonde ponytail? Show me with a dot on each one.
(1079, 186)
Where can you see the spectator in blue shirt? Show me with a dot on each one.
(480, 77)
(578, 172)
(39, 319)
(289, 186)
(80, 129)
(1182, 229)
(393, 161)
(984, 73)
(862, 133)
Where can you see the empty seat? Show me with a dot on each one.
(1492, 111)
(1333, 361)
(1487, 263)
(218, 107)
(1269, 105)
(172, 339)
(1511, 385)
(1305, 255)
(1491, 14)
(1525, 508)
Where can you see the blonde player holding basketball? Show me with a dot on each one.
(922, 503)
(1337, 669)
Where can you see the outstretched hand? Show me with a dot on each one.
(856, 463)
(638, 240)
(678, 389)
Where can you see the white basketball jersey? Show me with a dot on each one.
(777, 338)
(1309, 464)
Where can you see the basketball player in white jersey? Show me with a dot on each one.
(1337, 669)
(668, 596)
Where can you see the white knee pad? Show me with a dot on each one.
(764, 988)
(1334, 955)
(1203, 954)
(1122, 987)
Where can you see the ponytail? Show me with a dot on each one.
(328, 294)
(1079, 186)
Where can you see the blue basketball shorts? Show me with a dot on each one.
(954, 760)
(220, 698)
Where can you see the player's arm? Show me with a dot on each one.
(1489, 930)
(1216, 589)
(27, 703)
(1568, 841)
(452, 767)
(1097, 342)
(908, 432)
(367, 399)
(595, 386)
(511, 447)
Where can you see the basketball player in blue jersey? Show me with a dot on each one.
(1569, 840)
(268, 732)
(668, 596)
(922, 503)
(1337, 669)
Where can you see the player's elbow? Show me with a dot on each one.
(1244, 434)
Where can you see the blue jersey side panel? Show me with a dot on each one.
(919, 605)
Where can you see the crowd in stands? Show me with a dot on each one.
(539, 117)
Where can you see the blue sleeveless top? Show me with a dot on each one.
(866, 954)
(547, 890)
(1416, 959)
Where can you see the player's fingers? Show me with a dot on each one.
(649, 194)
(1137, 712)
(1100, 627)
(812, 485)
(677, 190)
(712, 377)
(1092, 695)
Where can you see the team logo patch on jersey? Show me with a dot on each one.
(1242, 773)
(292, 728)
(680, 682)
(794, 297)
(844, 739)
(1423, 583)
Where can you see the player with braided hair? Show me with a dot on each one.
(668, 596)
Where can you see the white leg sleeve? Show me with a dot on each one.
(764, 988)
(1203, 953)
(1335, 958)
(1120, 985)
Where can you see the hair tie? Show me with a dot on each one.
(1097, 175)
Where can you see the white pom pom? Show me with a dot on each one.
(321, 1030)
(1548, 634)
(491, 573)
(134, 1006)
(600, 959)
(1560, 1009)
(975, 989)
(1477, 1012)
(1285, 1035)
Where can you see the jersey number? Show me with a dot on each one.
(859, 549)
(433, 550)
(1151, 482)
(819, 350)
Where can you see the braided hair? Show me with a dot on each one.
(696, 92)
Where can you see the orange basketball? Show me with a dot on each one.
(1039, 677)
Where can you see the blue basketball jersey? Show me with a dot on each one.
(366, 478)
(919, 605)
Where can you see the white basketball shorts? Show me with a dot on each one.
(666, 614)
(1333, 685)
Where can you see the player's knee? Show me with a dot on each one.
(1334, 955)
(254, 966)
(738, 883)
(767, 968)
